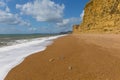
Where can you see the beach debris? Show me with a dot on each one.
(51, 60)
(70, 67)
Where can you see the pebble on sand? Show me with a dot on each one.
(51, 60)
(70, 67)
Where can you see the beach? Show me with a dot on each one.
(73, 57)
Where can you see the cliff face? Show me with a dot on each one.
(101, 16)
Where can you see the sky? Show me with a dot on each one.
(40, 16)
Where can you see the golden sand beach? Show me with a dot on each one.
(73, 57)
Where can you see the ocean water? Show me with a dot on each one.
(15, 48)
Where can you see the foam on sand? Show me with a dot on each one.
(10, 56)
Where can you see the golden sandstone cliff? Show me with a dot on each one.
(100, 16)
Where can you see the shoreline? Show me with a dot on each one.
(13, 55)
(73, 57)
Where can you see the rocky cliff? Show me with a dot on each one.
(100, 16)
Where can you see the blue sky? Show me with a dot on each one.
(39, 16)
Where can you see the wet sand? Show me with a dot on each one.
(73, 57)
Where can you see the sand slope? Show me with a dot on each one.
(74, 57)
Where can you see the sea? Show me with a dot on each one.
(14, 48)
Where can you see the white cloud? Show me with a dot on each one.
(6, 17)
(43, 10)
(2, 4)
(81, 15)
(71, 21)
(68, 22)
(12, 19)
(7, 9)
(64, 22)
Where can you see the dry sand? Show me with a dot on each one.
(74, 57)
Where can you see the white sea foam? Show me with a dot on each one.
(11, 56)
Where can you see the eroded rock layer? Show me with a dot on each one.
(100, 16)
